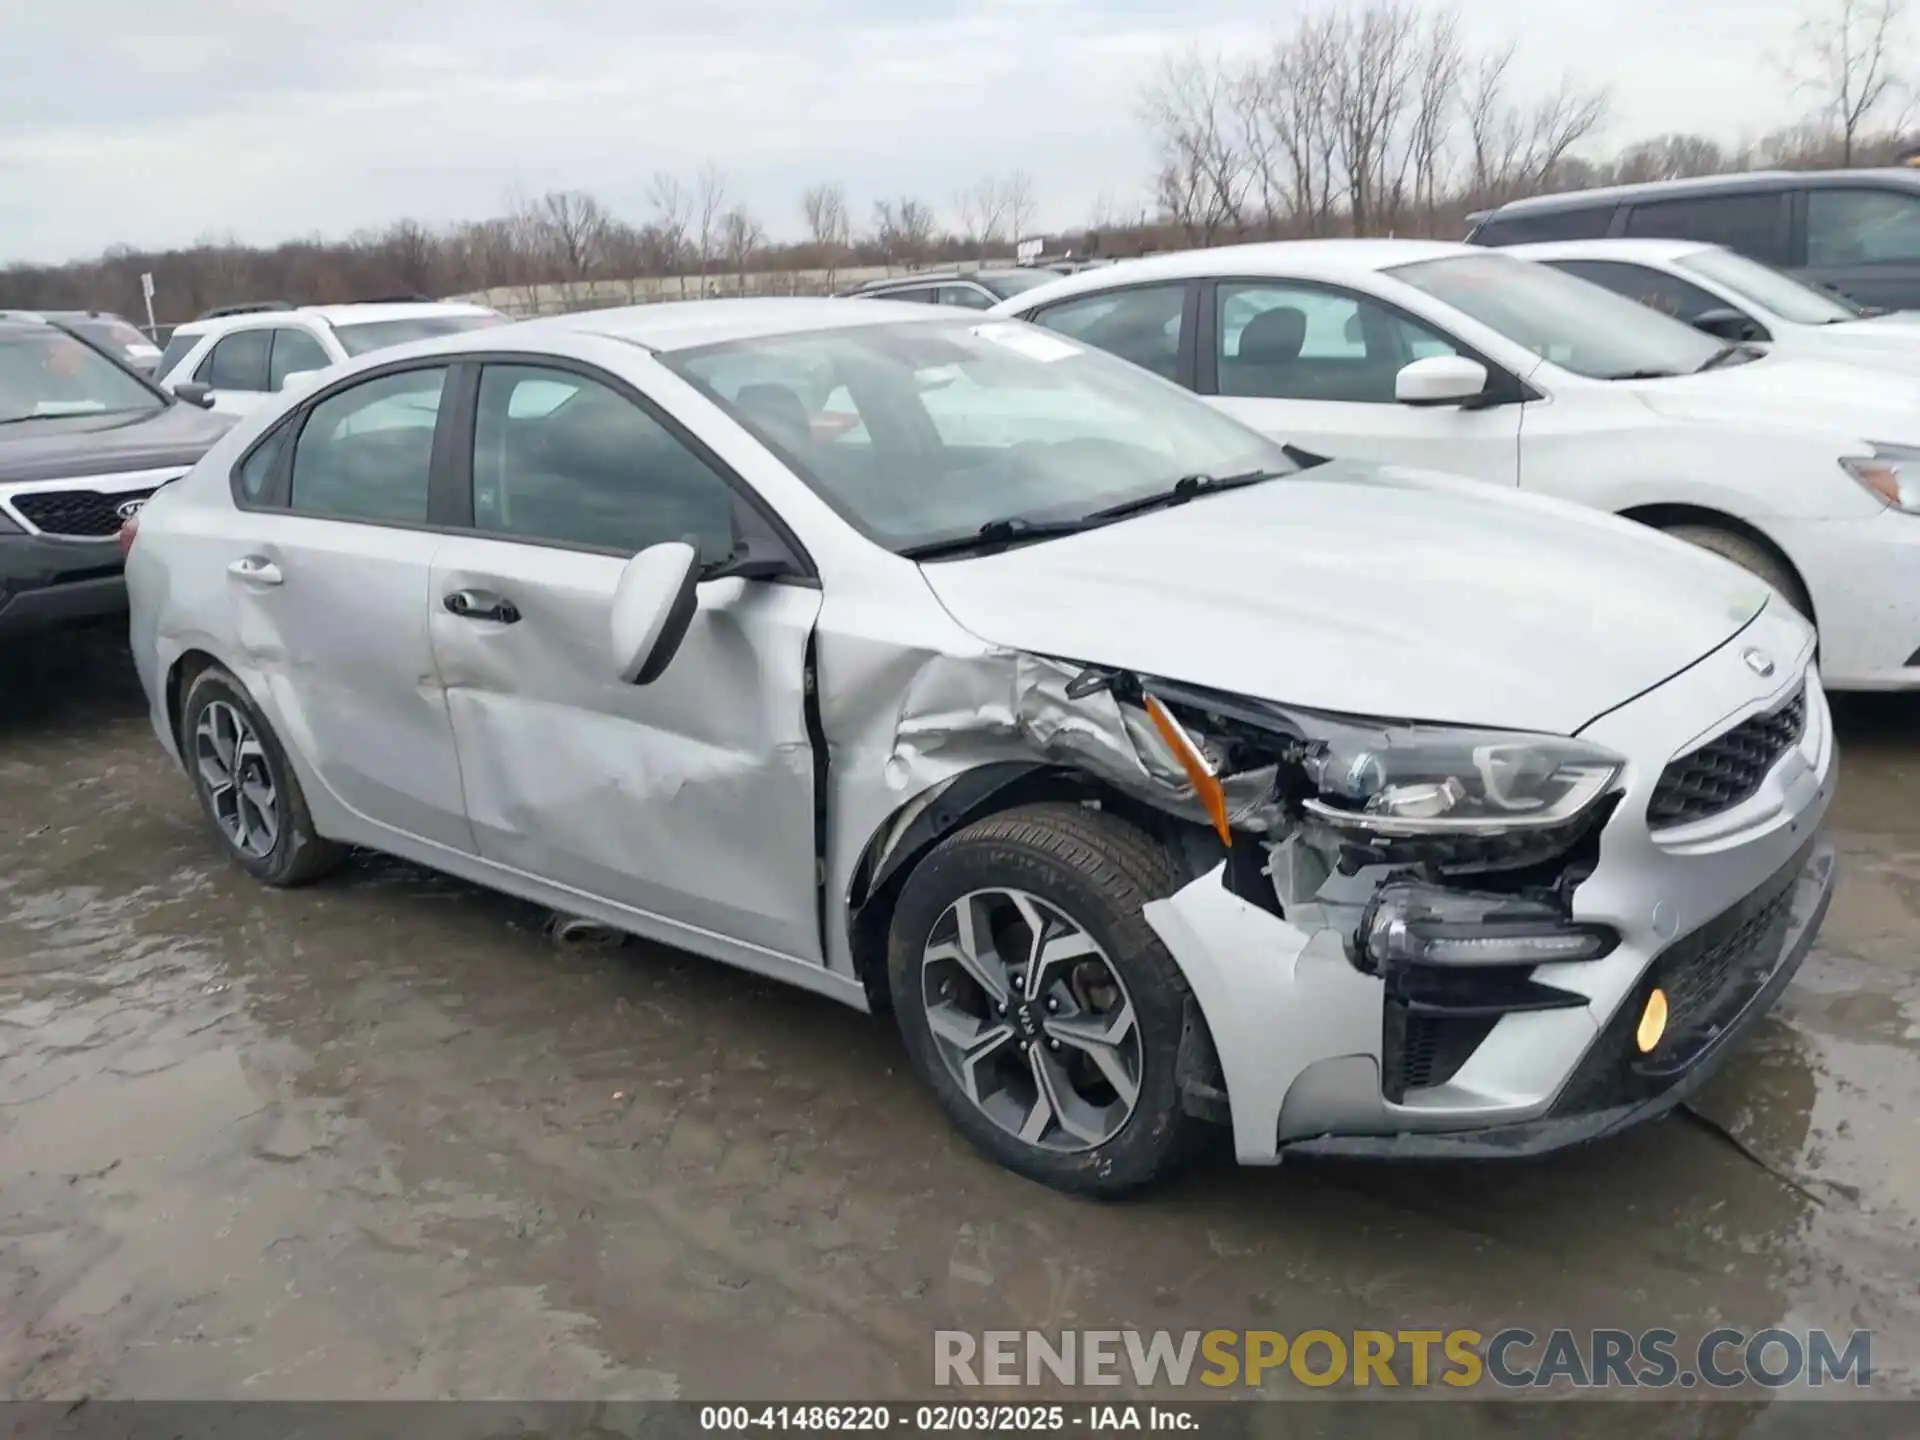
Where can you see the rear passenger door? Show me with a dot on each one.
(690, 799)
(1316, 365)
(333, 544)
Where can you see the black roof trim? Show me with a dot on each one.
(256, 307)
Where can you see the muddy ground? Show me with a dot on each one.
(381, 1138)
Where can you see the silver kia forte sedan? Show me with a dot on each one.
(1153, 774)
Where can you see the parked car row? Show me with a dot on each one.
(1156, 771)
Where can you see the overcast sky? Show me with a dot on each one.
(157, 122)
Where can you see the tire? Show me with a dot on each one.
(1751, 556)
(1080, 870)
(291, 852)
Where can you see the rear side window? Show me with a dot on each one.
(176, 351)
(293, 351)
(366, 452)
(1141, 324)
(1752, 224)
(238, 362)
(254, 475)
(1862, 227)
(1586, 222)
(967, 296)
(1655, 289)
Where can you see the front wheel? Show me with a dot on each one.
(1037, 1002)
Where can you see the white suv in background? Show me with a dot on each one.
(236, 357)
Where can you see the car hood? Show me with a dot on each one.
(1369, 591)
(1821, 392)
(67, 447)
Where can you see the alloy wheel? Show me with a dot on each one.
(237, 780)
(1032, 1020)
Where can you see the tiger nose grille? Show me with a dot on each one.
(1729, 769)
(76, 514)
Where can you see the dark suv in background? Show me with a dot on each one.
(83, 442)
(1854, 231)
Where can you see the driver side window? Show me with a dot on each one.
(1295, 342)
(562, 458)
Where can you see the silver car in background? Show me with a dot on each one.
(1151, 772)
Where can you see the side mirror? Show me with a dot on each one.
(1440, 380)
(1727, 324)
(295, 380)
(653, 605)
(194, 393)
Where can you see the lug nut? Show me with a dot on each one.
(1053, 1044)
(1053, 1006)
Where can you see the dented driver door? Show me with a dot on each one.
(689, 799)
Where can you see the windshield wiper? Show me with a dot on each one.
(997, 535)
(1187, 487)
(1720, 357)
(1644, 375)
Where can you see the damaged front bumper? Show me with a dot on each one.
(1318, 1055)
(1613, 1090)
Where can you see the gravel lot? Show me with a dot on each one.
(382, 1138)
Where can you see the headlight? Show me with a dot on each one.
(1892, 472)
(1427, 781)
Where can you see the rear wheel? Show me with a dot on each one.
(1750, 555)
(247, 789)
(1037, 1002)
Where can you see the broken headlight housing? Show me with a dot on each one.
(1412, 781)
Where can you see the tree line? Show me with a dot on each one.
(1381, 117)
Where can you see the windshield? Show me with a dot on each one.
(358, 339)
(920, 433)
(45, 373)
(1571, 322)
(1766, 287)
(1009, 283)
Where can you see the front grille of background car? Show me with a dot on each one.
(76, 514)
(1729, 769)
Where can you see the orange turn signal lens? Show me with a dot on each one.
(1653, 1022)
(1206, 785)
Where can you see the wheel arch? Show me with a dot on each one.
(1665, 516)
(180, 677)
(911, 831)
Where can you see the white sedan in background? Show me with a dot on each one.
(1732, 297)
(1457, 358)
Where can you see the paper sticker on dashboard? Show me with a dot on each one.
(1034, 344)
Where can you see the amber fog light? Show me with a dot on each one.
(1653, 1022)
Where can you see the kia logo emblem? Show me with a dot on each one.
(127, 509)
(1758, 661)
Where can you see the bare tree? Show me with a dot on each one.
(1016, 193)
(1846, 60)
(982, 208)
(1441, 61)
(709, 205)
(828, 224)
(668, 201)
(903, 229)
(1203, 178)
(1369, 91)
(570, 228)
(740, 236)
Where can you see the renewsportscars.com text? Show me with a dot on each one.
(1507, 1359)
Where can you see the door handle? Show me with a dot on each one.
(255, 570)
(482, 605)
